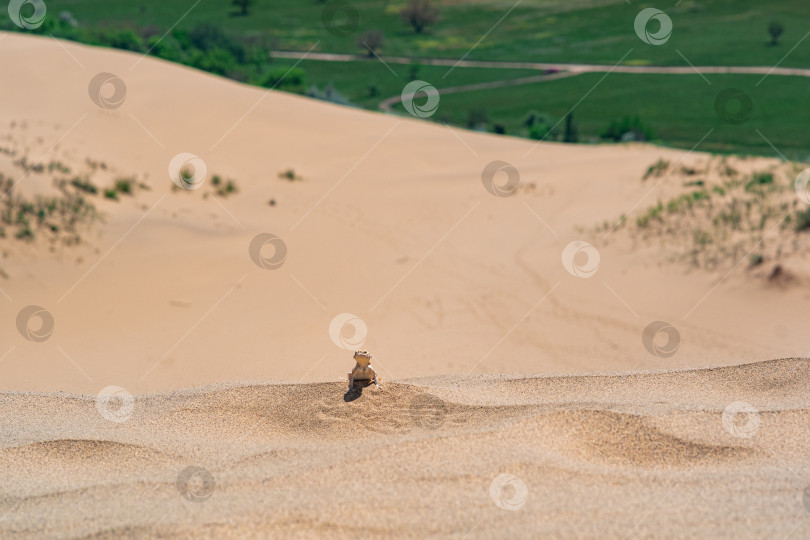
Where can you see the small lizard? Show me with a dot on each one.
(362, 370)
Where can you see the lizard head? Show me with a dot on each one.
(362, 357)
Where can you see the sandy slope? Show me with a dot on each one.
(417, 459)
(391, 222)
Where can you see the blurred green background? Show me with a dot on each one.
(221, 37)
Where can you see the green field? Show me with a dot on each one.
(721, 32)
(678, 109)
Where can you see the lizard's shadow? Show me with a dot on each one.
(357, 391)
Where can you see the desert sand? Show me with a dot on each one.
(519, 399)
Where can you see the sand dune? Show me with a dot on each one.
(390, 222)
(520, 399)
(409, 460)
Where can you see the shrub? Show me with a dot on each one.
(541, 131)
(124, 185)
(282, 78)
(122, 39)
(629, 128)
(289, 174)
(208, 37)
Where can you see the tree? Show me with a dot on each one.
(775, 29)
(371, 41)
(570, 135)
(419, 14)
(243, 5)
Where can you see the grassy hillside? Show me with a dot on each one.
(718, 32)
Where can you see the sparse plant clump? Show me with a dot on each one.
(85, 185)
(58, 166)
(760, 183)
(289, 174)
(62, 216)
(29, 167)
(223, 188)
(94, 165)
(803, 220)
(719, 219)
(124, 186)
(657, 169)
